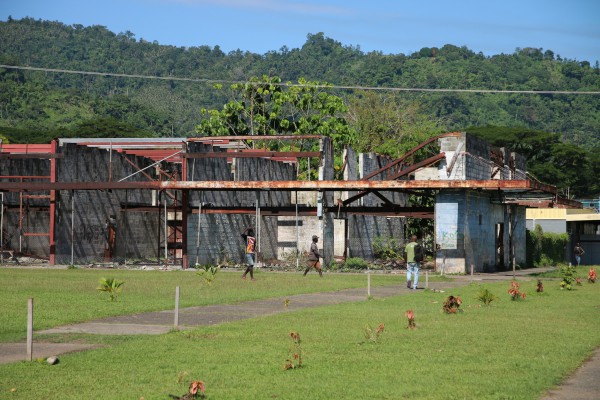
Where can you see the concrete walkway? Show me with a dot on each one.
(583, 385)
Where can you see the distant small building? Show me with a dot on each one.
(582, 225)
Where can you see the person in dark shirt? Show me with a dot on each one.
(313, 257)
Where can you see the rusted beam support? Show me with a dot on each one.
(18, 156)
(388, 211)
(254, 154)
(522, 185)
(253, 137)
(409, 153)
(422, 164)
(52, 224)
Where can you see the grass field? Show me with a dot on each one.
(63, 296)
(508, 350)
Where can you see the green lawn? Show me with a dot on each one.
(509, 350)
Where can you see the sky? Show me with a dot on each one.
(570, 28)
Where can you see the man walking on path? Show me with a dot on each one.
(412, 264)
(250, 240)
(313, 257)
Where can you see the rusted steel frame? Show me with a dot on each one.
(30, 155)
(409, 153)
(254, 137)
(184, 212)
(283, 185)
(39, 196)
(382, 197)
(357, 196)
(398, 215)
(36, 234)
(52, 210)
(424, 163)
(138, 168)
(24, 177)
(253, 154)
(406, 171)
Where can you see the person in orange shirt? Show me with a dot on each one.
(250, 240)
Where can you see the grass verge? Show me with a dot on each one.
(68, 296)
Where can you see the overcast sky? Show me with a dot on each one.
(570, 29)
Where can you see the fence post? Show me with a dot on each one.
(30, 329)
(176, 322)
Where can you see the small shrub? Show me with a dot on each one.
(195, 391)
(452, 304)
(355, 263)
(372, 335)
(386, 248)
(294, 359)
(110, 286)
(592, 275)
(485, 296)
(540, 286)
(515, 291)
(410, 316)
(208, 272)
(568, 277)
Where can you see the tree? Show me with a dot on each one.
(388, 125)
(265, 106)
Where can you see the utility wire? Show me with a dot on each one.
(373, 88)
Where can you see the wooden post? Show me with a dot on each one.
(176, 322)
(30, 329)
(369, 284)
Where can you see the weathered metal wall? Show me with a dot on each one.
(364, 229)
(82, 216)
(215, 238)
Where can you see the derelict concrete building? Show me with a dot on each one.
(184, 201)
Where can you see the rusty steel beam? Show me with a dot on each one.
(424, 163)
(406, 171)
(18, 156)
(409, 153)
(521, 185)
(248, 154)
(252, 137)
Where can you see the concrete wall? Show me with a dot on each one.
(466, 224)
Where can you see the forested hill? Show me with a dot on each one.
(32, 102)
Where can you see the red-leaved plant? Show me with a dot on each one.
(540, 286)
(373, 334)
(410, 316)
(195, 391)
(452, 304)
(295, 353)
(515, 291)
(592, 275)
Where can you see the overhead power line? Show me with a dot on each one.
(373, 88)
